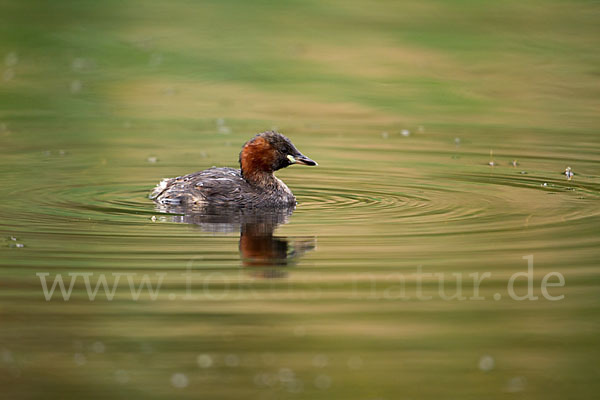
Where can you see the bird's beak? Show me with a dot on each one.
(302, 159)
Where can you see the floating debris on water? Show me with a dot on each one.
(514, 163)
(569, 173)
(153, 218)
(486, 363)
(421, 128)
(457, 141)
(12, 243)
(405, 132)
(523, 172)
(492, 163)
(545, 184)
(222, 127)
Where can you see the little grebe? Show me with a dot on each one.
(253, 185)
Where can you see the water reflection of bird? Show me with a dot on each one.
(258, 245)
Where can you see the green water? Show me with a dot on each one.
(404, 106)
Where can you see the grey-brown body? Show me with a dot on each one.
(222, 187)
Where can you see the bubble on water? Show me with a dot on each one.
(294, 386)
(6, 356)
(169, 91)
(265, 379)
(152, 159)
(232, 360)
(516, 384)
(204, 361)
(11, 59)
(299, 331)
(75, 86)
(179, 380)
(258, 379)
(78, 64)
(62, 153)
(224, 130)
(153, 218)
(320, 360)
(156, 59)
(545, 184)
(285, 374)
(8, 74)
(486, 363)
(146, 348)
(405, 132)
(19, 245)
(220, 122)
(421, 128)
(79, 359)
(457, 141)
(121, 376)
(322, 382)
(355, 362)
(523, 172)
(385, 135)
(98, 347)
(77, 344)
(268, 358)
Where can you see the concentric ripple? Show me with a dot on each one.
(421, 204)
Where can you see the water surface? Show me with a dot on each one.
(442, 144)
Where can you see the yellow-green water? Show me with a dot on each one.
(404, 106)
